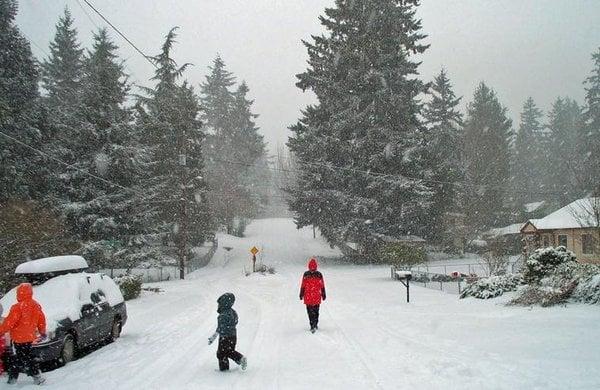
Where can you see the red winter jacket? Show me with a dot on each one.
(312, 289)
(26, 317)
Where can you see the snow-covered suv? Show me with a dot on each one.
(82, 309)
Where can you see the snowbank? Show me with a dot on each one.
(52, 264)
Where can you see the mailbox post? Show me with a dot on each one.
(404, 277)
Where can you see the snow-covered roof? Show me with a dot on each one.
(515, 228)
(576, 215)
(63, 296)
(52, 264)
(533, 206)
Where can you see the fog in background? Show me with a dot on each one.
(538, 48)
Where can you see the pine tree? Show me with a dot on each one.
(21, 169)
(169, 119)
(564, 159)
(591, 139)
(105, 217)
(486, 151)
(529, 160)
(234, 148)
(359, 149)
(444, 152)
(62, 73)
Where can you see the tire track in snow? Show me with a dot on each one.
(358, 350)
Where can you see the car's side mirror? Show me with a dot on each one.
(87, 308)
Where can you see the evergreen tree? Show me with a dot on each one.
(20, 167)
(105, 217)
(62, 73)
(169, 120)
(486, 151)
(591, 139)
(565, 162)
(359, 148)
(529, 160)
(234, 148)
(444, 147)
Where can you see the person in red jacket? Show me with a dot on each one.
(24, 321)
(312, 291)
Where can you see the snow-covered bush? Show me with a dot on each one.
(543, 261)
(130, 285)
(588, 291)
(570, 281)
(493, 286)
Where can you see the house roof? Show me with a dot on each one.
(576, 215)
(533, 206)
(515, 228)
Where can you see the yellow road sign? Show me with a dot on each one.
(254, 250)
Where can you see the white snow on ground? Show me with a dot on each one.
(368, 337)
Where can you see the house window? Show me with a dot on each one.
(546, 241)
(587, 244)
(562, 240)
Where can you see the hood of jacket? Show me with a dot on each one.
(225, 302)
(312, 264)
(24, 292)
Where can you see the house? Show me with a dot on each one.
(509, 238)
(575, 226)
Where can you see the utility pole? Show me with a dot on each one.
(183, 217)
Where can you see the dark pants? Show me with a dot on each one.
(313, 315)
(22, 361)
(227, 351)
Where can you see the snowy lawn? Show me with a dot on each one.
(368, 337)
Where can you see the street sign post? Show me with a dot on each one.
(254, 251)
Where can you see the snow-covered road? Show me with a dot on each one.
(368, 338)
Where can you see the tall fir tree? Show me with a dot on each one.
(177, 190)
(528, 165)
(234, 148)
(105, 215)
(487, 158)
(591, 141)
(21, 174)
(444, 156)
(359, 149)
(62, 73)
(564, 160)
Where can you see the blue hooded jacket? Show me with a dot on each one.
(228, 318)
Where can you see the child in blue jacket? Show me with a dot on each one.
(226, 330)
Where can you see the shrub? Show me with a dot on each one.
(588, 291)
(492, 287)
(130, 285)
(262, 269)
(402, 254)
(543, 261)
(570, 281)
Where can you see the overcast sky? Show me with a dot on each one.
(521, 48)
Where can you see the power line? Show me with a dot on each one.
(111, 183)
(35, 44)
(130, 72)
(121, 34)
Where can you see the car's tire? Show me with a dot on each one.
(68, 351)
(115, 330)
